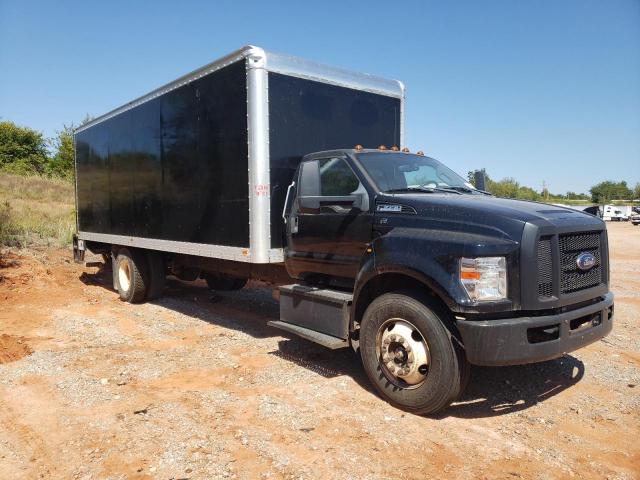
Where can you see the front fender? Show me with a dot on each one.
(432, 257)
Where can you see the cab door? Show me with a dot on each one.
(329, 224)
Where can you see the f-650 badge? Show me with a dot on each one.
(385, 207)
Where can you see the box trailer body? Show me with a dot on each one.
(201, 166)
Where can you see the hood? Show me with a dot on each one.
(486, 214)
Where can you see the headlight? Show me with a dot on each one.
(484, 278)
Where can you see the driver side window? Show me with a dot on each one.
(328, 177)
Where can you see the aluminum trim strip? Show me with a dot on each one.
(258, 143)
(184, 80)
(238, 254)
(298, 67)
(402, 99)
(75, 182)
(274, 62)
(223, 252)
(276, 255)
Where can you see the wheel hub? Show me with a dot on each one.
(124, 275)
(404, 352)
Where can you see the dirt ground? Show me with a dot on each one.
(196, 385)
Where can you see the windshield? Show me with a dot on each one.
(401, 171)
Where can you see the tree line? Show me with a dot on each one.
(25, 151)
(601, 193)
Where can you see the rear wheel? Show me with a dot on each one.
(409, 355)
(131, 275)
(224, 283)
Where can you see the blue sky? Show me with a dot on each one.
(537, 90)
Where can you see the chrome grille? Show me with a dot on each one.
(571, 245)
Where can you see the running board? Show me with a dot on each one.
(317, 314)
(320, 338)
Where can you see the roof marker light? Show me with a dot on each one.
(394, 148)
(382, 147)
(405, 150)
(420, 152)
(358, 147)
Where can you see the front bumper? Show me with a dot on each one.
(516, 341)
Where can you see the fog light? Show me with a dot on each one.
(484, 278)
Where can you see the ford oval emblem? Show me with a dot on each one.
(585, 261)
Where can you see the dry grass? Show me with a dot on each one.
(35, 210)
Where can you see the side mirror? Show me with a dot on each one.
(479, 179)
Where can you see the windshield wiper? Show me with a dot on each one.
(441, 189)
(467, 189)
(423, 189)
(410, 189)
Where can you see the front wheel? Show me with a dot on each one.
(409, 355)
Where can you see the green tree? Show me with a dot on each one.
(506, 188)
(577, 196)
(528, 193)
(608, 190)
(62, 162)
(636, 191)
(22, 150)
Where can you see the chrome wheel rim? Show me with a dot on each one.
(403, 353)
(124, 275)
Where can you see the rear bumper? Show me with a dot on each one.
(515, 341)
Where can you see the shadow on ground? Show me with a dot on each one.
(492, 391)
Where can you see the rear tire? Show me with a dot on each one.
(398, 332)
(131, 275)
(224, 283)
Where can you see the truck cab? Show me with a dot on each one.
(431, 274)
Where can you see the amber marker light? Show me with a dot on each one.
(394, 148)
(420, 152)
(405, 150)
(469, 275)
(358, 147)
(382, 147)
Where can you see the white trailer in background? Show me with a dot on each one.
(616, 213)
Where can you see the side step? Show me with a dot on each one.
(325, 340)
(318, 314)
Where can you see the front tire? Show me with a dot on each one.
(409, 355)
(131, 276)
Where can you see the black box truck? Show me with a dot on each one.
(265, 166)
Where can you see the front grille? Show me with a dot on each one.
(569, 247)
